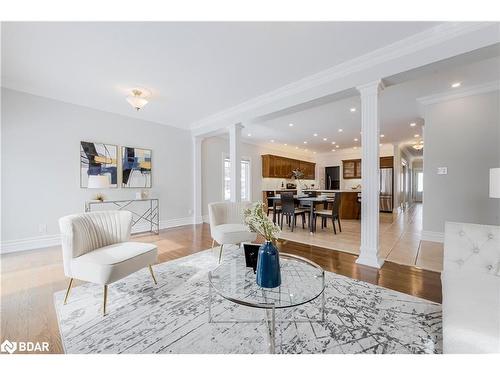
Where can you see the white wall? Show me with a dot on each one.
(213, 151)
(462, 135)
(40, 163)
(333, 159)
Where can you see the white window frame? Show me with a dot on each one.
(249, 183)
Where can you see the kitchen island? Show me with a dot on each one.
(349, 206)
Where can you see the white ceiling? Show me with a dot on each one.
(192, 69)
(398, 108)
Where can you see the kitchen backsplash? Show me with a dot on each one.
(275, 183)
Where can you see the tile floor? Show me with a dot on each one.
(400, 239)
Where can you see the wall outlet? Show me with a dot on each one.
(42, 228)
(442, 170)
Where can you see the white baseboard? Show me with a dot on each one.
(31, 243)
(428, 235)
(205, 218)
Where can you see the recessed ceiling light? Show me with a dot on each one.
(355, 148)
(249, 134)
(382, 136)
(325, 139)
(337, 146)
(355, 139)
(315, 134)
(286, 144)
(380, 144)
(272, 140)
(333, 149)
(306, 150)
(333, 142)
(314, 152)
(305, 142)
(417, 135)
(353, 109)
(456, 84)
(341, 130)
(290, 124)
(413, 124)
(297, 147)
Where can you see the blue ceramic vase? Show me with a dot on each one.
(268, 266)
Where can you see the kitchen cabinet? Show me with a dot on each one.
(280, 167)
(352, 168)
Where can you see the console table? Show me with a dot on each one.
(150, 213)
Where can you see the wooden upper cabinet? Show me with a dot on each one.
(387, 162)
(352, 168)
(279, 167)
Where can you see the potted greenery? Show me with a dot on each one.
(268, 265)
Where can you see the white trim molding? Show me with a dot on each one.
(462, 93)
(39, 242)
(431, 236)
(414, 44)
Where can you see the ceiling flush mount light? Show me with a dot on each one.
(355, 139)
(341, 130)
(413, 124)
(325, 139)
(290, 124)
(353, 109)
(315, 134)
(249, 134)
(138, 98)
(305, 142)
(286, 144)
(337, 146)
(456, 84)
(272, 140)
(333, 149)
(418, 146)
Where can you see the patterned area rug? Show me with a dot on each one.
(172, 317)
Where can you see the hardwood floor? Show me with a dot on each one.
(30, 278)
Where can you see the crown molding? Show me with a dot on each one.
(415, 43)
(461, 93)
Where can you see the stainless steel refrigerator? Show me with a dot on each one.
(386, 189)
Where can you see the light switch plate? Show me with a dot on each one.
(442, 170)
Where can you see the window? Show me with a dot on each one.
(420, 182)
(245, 179)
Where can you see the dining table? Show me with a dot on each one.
(310, 201)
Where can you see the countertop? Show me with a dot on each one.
(333, 191)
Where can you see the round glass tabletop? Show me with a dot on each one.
(301, 281)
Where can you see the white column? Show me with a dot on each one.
(370, 175)
(235, 158)
(396, 177)
(197, 178)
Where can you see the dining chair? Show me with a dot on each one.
(358, 202)
(290, 211)
(333, 214)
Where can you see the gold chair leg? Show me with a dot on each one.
(67, 291)
(152, 274)
(104, 300)
(220, 253)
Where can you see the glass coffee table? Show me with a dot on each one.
(302, 281)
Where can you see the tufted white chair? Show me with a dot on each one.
(471, 288)
(227, 224)
(96, 249)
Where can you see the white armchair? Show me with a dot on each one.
(471, 288)
(227, 224)
(96, 249)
